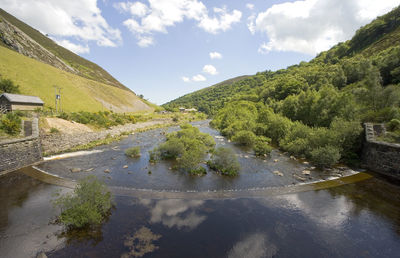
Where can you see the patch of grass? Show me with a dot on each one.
(54, 130)
(133, 152)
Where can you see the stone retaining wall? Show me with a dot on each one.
(18, 153)
(381, 157)
(57, 142)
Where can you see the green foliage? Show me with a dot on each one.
(187, 147)
(246, 138)
(325, 156)
(394, 125)
(11, 123)
(261, 146)
(133, 152)
(88, 205)
(8, 86)
(101, 119)
(224, 161)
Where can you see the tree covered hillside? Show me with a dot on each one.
(315, 109)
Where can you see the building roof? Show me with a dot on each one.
(17, 98)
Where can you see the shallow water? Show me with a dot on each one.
(255, 172)
(354, 220)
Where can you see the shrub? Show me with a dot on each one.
(8, 86)
(133, 152)
(325, 156)
(11, 124)
(88, 205)
(224, 161)
(394, 125)
(246, 138)
(262, 148)
(187, 147)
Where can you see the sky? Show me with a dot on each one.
(164, 49)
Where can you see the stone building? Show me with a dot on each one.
(12, 102)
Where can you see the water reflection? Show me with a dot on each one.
(175, 212)
(255, 245)
(25, 216)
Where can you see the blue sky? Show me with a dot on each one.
(161, 48)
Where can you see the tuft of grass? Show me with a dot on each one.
(133, 152)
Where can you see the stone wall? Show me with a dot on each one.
(381, 157)
(18, 153)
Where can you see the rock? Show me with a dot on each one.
(306, 172)
(292, 157)
(306, 163)
(299, 177)
(149, 172)
(107, 171)
(89, 169)
(246, 156)
(126, 166)
(170, 168)
(113, 158)
(276, 172)
(229, 140)
(312, 168)
(75, 170)
(129, 172)
(276, 160)
(41, 255)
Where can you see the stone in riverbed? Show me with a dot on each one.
(89, 169)
(75, 170)
(306, 172)
(276, 160)
(276, 172)
(126, 166)
(107, 171)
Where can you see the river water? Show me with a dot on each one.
(357, 218)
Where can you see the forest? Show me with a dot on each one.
(315, 109)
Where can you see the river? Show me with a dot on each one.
(169, 214)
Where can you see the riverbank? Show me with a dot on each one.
(54, 143)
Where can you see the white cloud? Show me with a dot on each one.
(198, 78)
(250, 6)
(78, 19)
(215, 55)
(221, 23)
(76, 48)
(210, 69)
(158, 15)
(312, 26)
(136, 9)
(185, 79)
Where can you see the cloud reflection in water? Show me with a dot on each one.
(175, 212)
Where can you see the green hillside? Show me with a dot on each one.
(78, 93)
(314, 109)
(81, 66)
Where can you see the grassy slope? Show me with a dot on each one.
(86, 68)
(78, 93)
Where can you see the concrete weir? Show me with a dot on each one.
(203, 195)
